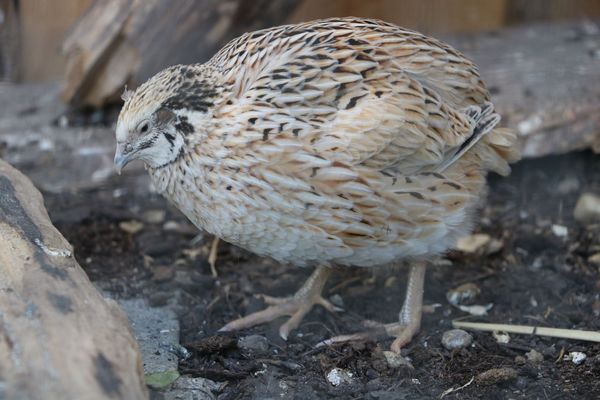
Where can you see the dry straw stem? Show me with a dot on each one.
(453, 389)
(575, 334)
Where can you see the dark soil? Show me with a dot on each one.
(537, 278)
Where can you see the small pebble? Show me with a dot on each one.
(587, 209)
(473, 243)
(501, 337)
(337, 300)
(534, 356)
(594, 259)
(395, 360)
(154, 216)
(63, 121)
(560, 230)
(338, 376)
(494, 247)
(496, 375)
(577, 357)
(181, 352)
(460, 294)
(523, 214)
(477, 310)
(533, 302)
(132, 227)
(171, 226)
(253, 344)
(456, 339)
(182, 229)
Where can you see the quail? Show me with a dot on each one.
(338, 142)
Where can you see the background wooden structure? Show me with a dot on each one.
(40, 26)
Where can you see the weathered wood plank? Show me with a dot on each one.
(59, 338)
(545, 81)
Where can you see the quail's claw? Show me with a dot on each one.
(409, 319)
(212, 257)
(403, 334)
(296, 307)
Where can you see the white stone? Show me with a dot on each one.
(577, 357)
(560, 230)
(456, 339)
(338, 376)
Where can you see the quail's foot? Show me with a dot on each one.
(296, 307)
(409, 320)
(212, 257)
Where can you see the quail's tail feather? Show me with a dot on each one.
(483, 120)
(495, 146)
(498, 149)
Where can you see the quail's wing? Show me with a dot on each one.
(355, 91)
(327, 124)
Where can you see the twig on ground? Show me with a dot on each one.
(453, 389)
(575, 334)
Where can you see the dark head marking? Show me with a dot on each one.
(192, 95)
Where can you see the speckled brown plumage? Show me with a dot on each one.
(334, 142)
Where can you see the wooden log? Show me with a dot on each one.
(59, 338)
(120, 42)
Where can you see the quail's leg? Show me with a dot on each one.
(212, 256)
(296, 307)
(409, 319)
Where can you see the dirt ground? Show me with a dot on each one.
(536, 278)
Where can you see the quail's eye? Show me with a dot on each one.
(144, 128)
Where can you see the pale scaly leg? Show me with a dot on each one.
(409, 321)
(212, 256)
(296, 307)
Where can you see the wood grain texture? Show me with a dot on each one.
(9, 41)
(126, 41)
(43, 26)
(59, 338)
(429, 17)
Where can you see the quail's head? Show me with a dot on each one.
(158, 118)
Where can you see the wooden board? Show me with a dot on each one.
(431, 16)
(43, 26)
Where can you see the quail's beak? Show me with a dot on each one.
(121, 160)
